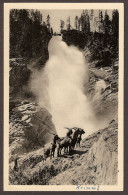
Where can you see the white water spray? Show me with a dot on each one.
(59, 88)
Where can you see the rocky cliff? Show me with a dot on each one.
(102, 89)
(18, 75)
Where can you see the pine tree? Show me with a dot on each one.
(76, 22)
(100, 25)
(107, 29)
(79, 24)
(61, 25)
(51, 31)
(115, 29)
(106, 23)
(68, 24)
(85, 22)
(88, 24)
(48, 21)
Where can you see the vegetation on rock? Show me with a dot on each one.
(29, 35)
(102, 40)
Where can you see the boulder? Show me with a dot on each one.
(30, 128)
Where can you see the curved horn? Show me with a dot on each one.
(51, 133)
(66, 128)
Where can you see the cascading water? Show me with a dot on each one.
(59, 88)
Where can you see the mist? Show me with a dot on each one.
(59, 88)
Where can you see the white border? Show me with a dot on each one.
(7, 7)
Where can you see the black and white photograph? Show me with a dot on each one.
(63, 106)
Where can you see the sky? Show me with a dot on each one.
(57, 15)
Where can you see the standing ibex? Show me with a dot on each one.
(63, 143)
(76, 137)
(50, 148)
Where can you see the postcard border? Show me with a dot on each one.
(125, 87)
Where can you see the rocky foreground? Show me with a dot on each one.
(95, 162)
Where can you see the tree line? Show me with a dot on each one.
(29, 34)
(99, 31)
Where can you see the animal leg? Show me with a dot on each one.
(51, 154)
(58, 152)
(69, 149)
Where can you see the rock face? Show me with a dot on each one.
(95, 162)
(30, 128)
(18, 74)
(102, 90)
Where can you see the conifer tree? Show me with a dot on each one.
(48, 21)
(100, 25)
(85, 22)
(106, 29)
(79, 24)
(106, 23)
(61, 25)
(68, 24)
(115, 27)
(76, 22)
(51, 31)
